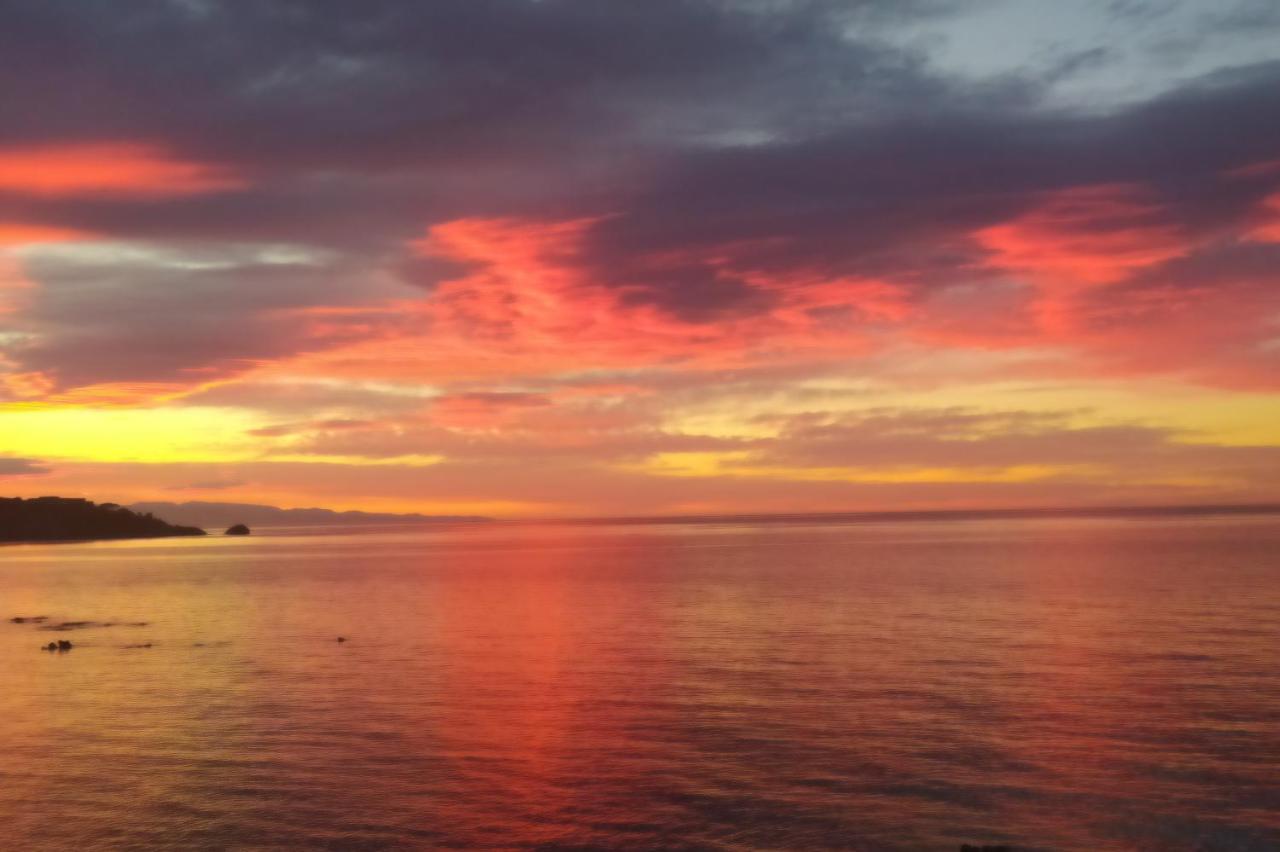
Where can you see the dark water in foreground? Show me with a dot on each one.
(1061, 684)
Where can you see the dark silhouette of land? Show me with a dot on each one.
(75, 519)
(225, 514)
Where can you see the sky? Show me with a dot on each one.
(603, 257)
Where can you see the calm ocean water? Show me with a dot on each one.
(1055, 684)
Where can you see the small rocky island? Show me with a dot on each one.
(76, 519)
(237, 529)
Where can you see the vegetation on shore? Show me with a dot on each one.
(76, 519)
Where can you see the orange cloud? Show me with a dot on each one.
(25, 385)
(483, 410)
(119, 395)
(110, 168)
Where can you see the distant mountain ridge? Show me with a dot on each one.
(898, 515)
(206, 514)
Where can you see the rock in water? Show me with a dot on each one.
(238, 529)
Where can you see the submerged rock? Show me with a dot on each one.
(238, 529)
(86, 625)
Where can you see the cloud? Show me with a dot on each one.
(961, 438)
(773, 174)
(282, 429)
(140, 315)
(127, 169)
(209, 485)
(22, 467)
(27, 234)
(599, 239)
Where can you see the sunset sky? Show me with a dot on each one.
(580, 257)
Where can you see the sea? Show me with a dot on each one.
(1042, 683)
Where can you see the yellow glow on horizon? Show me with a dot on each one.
(1209, 415)
(128, 434)
(489, 508)
(1204, 415)
(411, 460)
(737, 464)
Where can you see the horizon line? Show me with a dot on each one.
(1139, 510)
(833, 515)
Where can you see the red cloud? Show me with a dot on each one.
(107, 168)
(14, 234)
(1101, 274)
(532, 304)
(1084, 237)
(1268, 228)
(483, 410)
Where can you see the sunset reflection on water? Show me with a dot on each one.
(1059, 684)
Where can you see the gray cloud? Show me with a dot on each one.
(22, 467)
(208, 485)
(112, 313)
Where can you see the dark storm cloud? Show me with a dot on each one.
(326, 81)
(358, 123)
(319, 100)
(900, 199)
